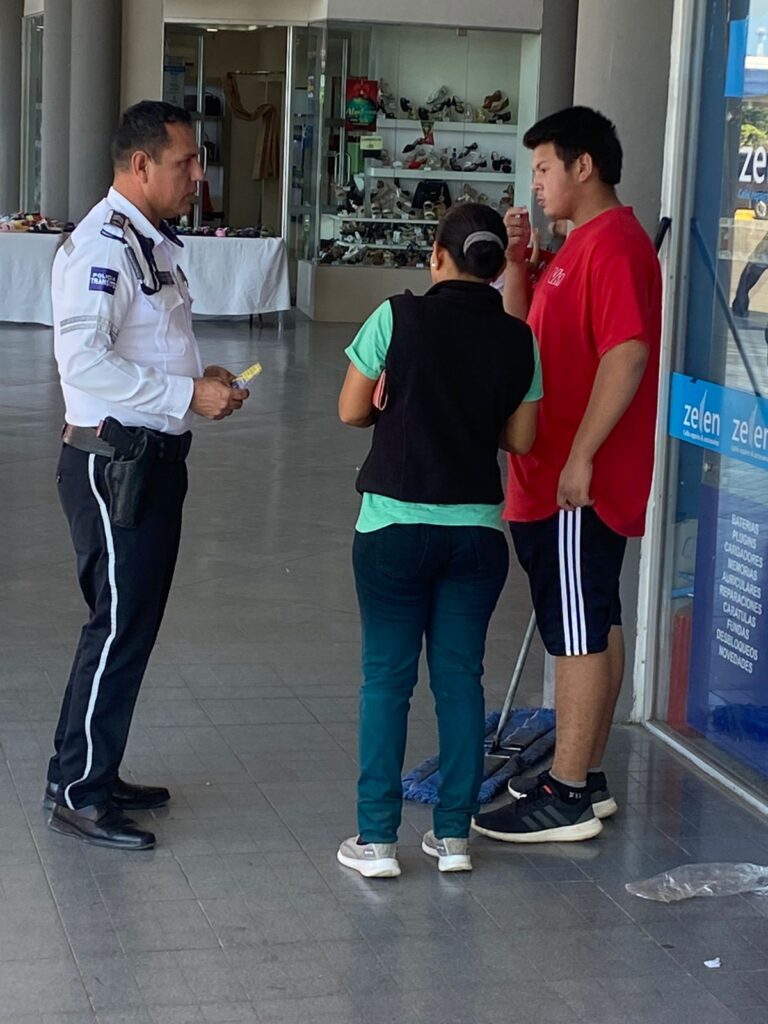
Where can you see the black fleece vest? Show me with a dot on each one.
(457, 368)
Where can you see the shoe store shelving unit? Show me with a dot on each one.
(370, 229)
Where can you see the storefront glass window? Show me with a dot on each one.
(714, 624)
(32, 113)
(409, 121)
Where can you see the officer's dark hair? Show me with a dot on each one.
(483, 258)
(142, 127)
(578, 130)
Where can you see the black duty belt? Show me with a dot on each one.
(165, 447)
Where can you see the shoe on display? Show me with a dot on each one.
(603, 804)
(354, 254)
(372, 860)
(541, 816)
(467, 195)
(496, 101)
(451, 854)
(507, 199)
(387, 102)
(476, 165)
(439, 99)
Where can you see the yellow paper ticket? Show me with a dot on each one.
(243, 379)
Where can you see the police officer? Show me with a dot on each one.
(132, 382)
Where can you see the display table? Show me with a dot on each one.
(227, 276)
(235, 276)
(26, 260)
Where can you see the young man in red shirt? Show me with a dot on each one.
(583, 488)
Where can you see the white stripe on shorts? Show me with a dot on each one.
(571, 594)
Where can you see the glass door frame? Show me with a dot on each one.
(654, 640)
(31, 115)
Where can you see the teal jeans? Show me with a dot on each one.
(417, 583)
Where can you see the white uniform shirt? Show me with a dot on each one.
(121, 352)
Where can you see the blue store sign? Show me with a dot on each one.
(728, 679)
(725, 420)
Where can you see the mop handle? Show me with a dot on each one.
(514, 683)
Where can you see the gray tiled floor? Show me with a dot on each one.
(248, 712)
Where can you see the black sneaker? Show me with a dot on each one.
(541, 817)
(603, 804)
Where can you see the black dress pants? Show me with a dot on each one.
(125, 576)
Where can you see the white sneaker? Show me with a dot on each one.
(451, 854)
(374, 860)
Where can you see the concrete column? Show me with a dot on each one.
(143, 48)
(10, 104)
(622, 69)
(94, 100)
(558, 55)
(54, 169)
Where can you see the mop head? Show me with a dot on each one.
(423, 782)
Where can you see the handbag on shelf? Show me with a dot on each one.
(431, 191)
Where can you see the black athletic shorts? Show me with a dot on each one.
(573, 561)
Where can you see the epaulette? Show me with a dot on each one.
(115, 227)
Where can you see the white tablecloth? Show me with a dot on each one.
(227, 276)
(25, 276)
(236, 276)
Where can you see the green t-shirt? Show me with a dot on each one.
(368, 353)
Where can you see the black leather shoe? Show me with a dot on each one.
(101, 825)
(125, 796)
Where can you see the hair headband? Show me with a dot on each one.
(481, 236)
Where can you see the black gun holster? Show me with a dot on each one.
(127, 473)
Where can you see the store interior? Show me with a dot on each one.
(240, 74)
(350, 141)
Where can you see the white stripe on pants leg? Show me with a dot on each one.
(570, 524)
(571, 595)
(112, 629)
(579, 591)
(562, 525)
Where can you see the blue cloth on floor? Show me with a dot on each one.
(422, 783)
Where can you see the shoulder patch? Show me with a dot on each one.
(68, 245)
(103, 279)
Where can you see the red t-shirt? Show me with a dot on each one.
(603, 288)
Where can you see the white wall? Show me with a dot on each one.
(33, 7)
(245, 11)
(472, 66)
(524, 15)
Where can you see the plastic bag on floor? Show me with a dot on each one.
(702, 880)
